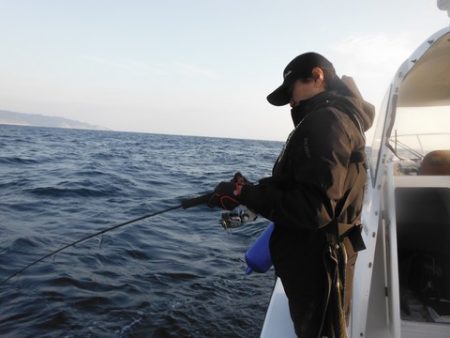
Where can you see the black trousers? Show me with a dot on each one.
(304, 280)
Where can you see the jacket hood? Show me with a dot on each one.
(351, 100)
(364, 109)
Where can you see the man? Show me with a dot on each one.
(315, 194)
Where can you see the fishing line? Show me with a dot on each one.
(187, 203)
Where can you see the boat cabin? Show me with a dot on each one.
(406, 291)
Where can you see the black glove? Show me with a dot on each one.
(226, 194)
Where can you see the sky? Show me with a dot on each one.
(195, 67)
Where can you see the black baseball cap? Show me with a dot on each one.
(299, 68)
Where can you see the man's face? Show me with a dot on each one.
(303, 89)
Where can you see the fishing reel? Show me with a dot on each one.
(237, 217)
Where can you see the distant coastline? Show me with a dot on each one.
(38, 120)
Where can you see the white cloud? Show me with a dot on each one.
(191, 70)
(375, 54)
(128, 66)
(143, 69)
(374, 48)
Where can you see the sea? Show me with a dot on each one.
(177, 274)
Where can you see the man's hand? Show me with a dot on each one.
(226, 194)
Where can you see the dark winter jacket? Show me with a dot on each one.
(310, 176)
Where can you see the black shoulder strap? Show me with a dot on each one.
(356, 187)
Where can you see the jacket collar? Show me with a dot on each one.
(299, 112)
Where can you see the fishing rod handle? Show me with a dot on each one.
(192, 202)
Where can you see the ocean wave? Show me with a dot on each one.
(23, 244)
(67, 192)
(17, 160)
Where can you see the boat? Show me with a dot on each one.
(402, 280)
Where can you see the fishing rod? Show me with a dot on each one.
(185, 204)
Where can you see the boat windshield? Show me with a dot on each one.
(419, 131)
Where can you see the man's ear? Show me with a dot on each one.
(318, 75)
